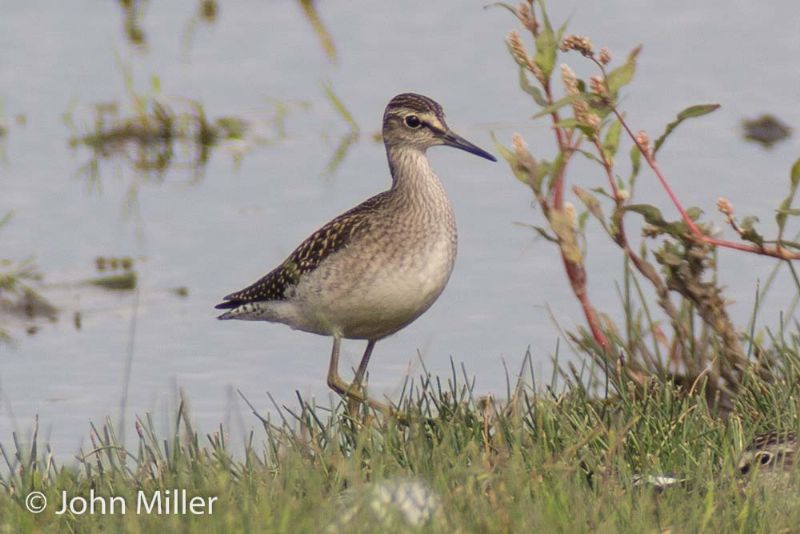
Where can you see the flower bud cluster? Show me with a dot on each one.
(577, 42)
(526, 17)
(583, 113)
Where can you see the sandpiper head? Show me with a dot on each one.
(416, 121)
(772, 454)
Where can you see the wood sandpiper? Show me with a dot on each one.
(375, 268)
(772, 455)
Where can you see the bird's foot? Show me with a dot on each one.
(356, 397)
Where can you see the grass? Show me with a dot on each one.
(562, 459)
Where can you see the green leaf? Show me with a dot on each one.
(5, 218)
(509, 7)
(697, 111)
(531, 89)
(590, 156)
(510, 158)
(677, 229)
(781, 215)
(599, 105)
(546, 46)
(601, 191)
(562, 224)
(669, 258)
(622, 75)
(795, 174)
(505, 153)
(784, 209)
(582, 221)
(558, 104)
(542, 232)
(567, 123)
(562, 28)
(748, 222)
(636, 164)
(688, 113)
(542, 170)
(650, 213)
(525, 169)
(694, 213)
(587, 130)
(611, 142)
(749, 232)
(591, 203)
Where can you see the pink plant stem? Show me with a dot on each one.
(775, 252)
(576, 274)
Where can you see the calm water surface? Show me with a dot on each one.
(215, 231)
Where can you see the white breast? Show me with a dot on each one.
(385, 298)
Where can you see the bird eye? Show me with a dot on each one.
(744, 469)
(764, 458)
(412, 121)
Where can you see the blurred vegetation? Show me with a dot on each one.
(122, 276)
(19, 297)
(151, 134)
(133, 13)
(766, 130)
(206, 14)
(5, 127)
(324, 36)
(146, 130)
(348, 139)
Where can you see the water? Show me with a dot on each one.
(221, 229)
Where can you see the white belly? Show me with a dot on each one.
(389, 294)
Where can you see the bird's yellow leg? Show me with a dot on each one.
(354, 392)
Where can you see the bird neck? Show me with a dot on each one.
(412, 173)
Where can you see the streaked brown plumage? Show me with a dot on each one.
(306, 257)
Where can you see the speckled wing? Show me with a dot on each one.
(308, 256)
(770, 439)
